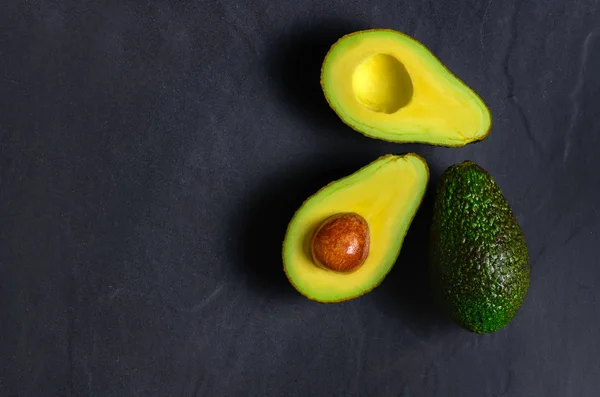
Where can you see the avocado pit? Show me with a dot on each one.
(341, 242)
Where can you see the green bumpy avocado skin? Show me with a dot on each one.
(479, 259)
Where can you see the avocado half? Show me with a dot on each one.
(387, 194)
(386, 85)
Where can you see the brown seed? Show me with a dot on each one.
(341, 242)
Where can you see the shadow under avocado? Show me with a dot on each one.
(295, 63)
(405, 292)
(260, 224)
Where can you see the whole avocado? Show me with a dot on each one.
(479, 262)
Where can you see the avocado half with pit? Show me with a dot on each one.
(386, 85)
(344, 239)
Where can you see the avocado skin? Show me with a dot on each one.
(479, 261)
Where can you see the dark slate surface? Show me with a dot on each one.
(152, 154)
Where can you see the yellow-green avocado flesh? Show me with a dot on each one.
(387, 194)
(386, 85)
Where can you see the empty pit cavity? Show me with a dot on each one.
(382, 84)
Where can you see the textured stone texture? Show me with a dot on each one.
(143, 143)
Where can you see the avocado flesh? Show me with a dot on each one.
(479, 258)
(387, 194)
(389, 86)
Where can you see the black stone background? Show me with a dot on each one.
(153, 152)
